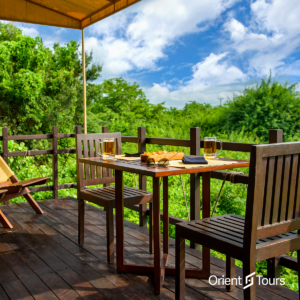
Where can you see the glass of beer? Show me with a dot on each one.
(108, 148)
(210, 147)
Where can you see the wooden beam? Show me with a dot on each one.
(107, 11)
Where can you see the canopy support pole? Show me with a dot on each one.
(84, 85)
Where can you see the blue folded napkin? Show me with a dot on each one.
(134, 154)
(194, 160)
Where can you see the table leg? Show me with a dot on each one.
(166, 215)
(119, 219)
(206, 214)
(157, 237)
(195, 201)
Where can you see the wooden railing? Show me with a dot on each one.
(194, 143)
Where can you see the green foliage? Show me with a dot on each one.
(40, 88)
(121, 106)
(265, 106)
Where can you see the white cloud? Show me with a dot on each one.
(212, 78)
(32, 32)
(271, 37)
(138, 38)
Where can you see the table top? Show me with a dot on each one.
(142, 168)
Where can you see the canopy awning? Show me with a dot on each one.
(76, 14)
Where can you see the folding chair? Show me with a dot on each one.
(15, 188)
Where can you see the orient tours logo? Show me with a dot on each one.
(249, 280)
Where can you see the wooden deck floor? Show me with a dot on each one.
(40, 259)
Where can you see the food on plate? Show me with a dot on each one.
(162, 154)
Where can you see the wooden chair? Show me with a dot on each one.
(15, 188)
(268, 230)
(87, 145)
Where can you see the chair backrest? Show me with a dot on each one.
(5, 171)
(273, 200)
(87, 145)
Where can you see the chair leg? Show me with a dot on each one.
(81, 204)
(151, 244)
(180, 267)
(273, 268)
(249, 280)
(33, 203)
(4, 221)
(230, 272)
(110, 234)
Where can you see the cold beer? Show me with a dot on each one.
(108, 148)
(210, 147)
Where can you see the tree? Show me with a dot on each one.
(40, 88)
(122, 106)
(268, 105)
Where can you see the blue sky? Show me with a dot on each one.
(201, 50)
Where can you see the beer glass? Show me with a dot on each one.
(210, 147)
(107, 148)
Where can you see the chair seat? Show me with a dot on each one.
(104, 195)
(229, 230)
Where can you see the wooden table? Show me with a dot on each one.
(159, 269)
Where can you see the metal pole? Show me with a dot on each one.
(84, 85)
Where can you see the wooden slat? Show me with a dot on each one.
(50, 187)
(169, 142)
(97, 151)
(297, 198)
(12, 285)
(277, 190)
(85, 155)
(268, 197)
(238, 178)
(293, 187)
(130, 139)
(285, 187)
(31, 281)
(30, 137)
(92, 154)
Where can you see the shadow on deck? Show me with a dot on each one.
(40, 259)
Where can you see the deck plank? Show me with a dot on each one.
(44, 248)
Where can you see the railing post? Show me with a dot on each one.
(104, 129)
(275, 136)
(55, 162)
(5, 144)
(142, 178)
(5, 149)
(78, 129)
(195, 178)
(273, 266)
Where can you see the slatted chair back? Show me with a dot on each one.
(273, 200)
(87, 145)
(5, 171)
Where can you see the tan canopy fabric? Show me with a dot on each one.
(76, 14)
